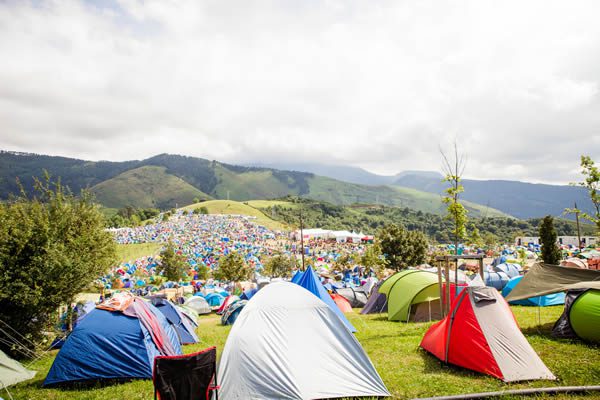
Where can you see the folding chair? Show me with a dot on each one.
(186, 377)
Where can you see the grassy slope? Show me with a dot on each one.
(248, 185)
(394, 349)
(235, 207)
(146, 187)
(337, 192)
(130, 252)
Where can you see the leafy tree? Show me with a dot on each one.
(550, 252)
(592, 184)
(173, 265)
(233, 268)
(400, 247)
(52, 247)
(279, 266)
(456, 211)
(475, 237)
(373, 260)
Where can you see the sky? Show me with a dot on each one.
(382, 85)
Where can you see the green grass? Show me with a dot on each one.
(130, 252)
(146, 187)
(394, 349)
(238, 208)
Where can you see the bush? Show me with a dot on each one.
(173, 266)
(232, 268)
(402, 248)
(51, 248)
(279, 266)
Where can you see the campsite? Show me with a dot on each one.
(299, 200)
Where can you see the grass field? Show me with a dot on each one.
(238, 208)
(394, 349)
(130, 252)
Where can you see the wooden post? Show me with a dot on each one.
(481, 269)
(439, 272)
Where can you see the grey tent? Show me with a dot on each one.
(356, 297)
(12, 372)
(544, 279)
(377, 302)
(288, 344)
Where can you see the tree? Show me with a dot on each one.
(279, 266)
(550, 252)
(373, 260)
(475, 237)
(173, 265)
(52, 247)
(456, 212)
(233, 268)
(400, 247)
(592, 184)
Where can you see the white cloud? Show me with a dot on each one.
(376, 84)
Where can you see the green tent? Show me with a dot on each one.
(584, 316)
(12, 372)
(412, 295)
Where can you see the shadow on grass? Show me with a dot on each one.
(433, 365)
(85, 385)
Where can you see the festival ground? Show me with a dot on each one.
(407, 370)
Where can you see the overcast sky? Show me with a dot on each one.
(375, 84)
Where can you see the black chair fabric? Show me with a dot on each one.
(186, 377)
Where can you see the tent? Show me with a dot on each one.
(198, 304)
(232, 312)
(581, 317)
(309, 281)
(544, 279)
(288, 344)
(413, 295)
(247, 295)
(511, 270)
(355, 296)
(497, 280)
(214, 299)
(226, 303)
(12, 372)
(183, 328)
(112, 345)
(342, 303)
(377, 302)
(481, 334)
(542, 301)
(574, 263)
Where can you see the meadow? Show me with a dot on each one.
(393, 347)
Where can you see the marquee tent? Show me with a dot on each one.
(481, 334)
(288, 344)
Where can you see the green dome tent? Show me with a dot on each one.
(413, 295)
(12, 372)
(585, 316)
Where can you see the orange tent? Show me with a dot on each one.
(341, 302)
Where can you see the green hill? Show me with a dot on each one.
(237, 208)
(146, 187)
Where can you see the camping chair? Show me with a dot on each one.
(186, 377)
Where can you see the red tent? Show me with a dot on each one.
(341, 302)
(481, 334)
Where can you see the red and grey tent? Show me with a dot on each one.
(481, 334)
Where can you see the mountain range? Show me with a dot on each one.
(166, 181)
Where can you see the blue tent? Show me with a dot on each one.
(109, 345)
(184, 329)
(214, 299)
(247, 295)
(511, 270)
(309, 281)
(297, 276)
(497, 280)
(232, 312)
(542, 301)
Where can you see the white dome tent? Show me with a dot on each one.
(288, 344)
